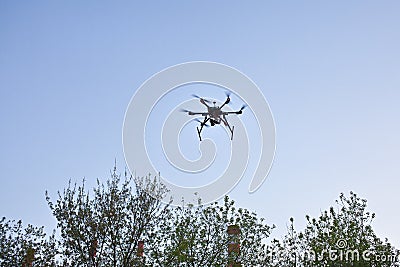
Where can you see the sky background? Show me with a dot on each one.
(330, 72)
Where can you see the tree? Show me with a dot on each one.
(122, 224)
(27, 246)
(339, 237)
(197, 236)
(104, 229)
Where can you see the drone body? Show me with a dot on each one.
(215, 115)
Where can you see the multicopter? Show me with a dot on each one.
(214, 115)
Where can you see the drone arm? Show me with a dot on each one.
(228, 99)
(232, 112)
(204, 102)
(197, 113)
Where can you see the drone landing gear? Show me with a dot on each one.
(229, 127)
(199, 131)
(202, 125)
(201, 128)
(214, 122)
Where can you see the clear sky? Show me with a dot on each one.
(329, 70)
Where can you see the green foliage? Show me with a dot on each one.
(104, 229)
(339, 237)
(116, 217)
(197, 236)
(20, 246)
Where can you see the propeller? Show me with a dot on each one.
(183, 110)
(205, 100)
(228, 97)
(243, 107)
(201, 122)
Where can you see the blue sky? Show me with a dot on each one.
(329, 70)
